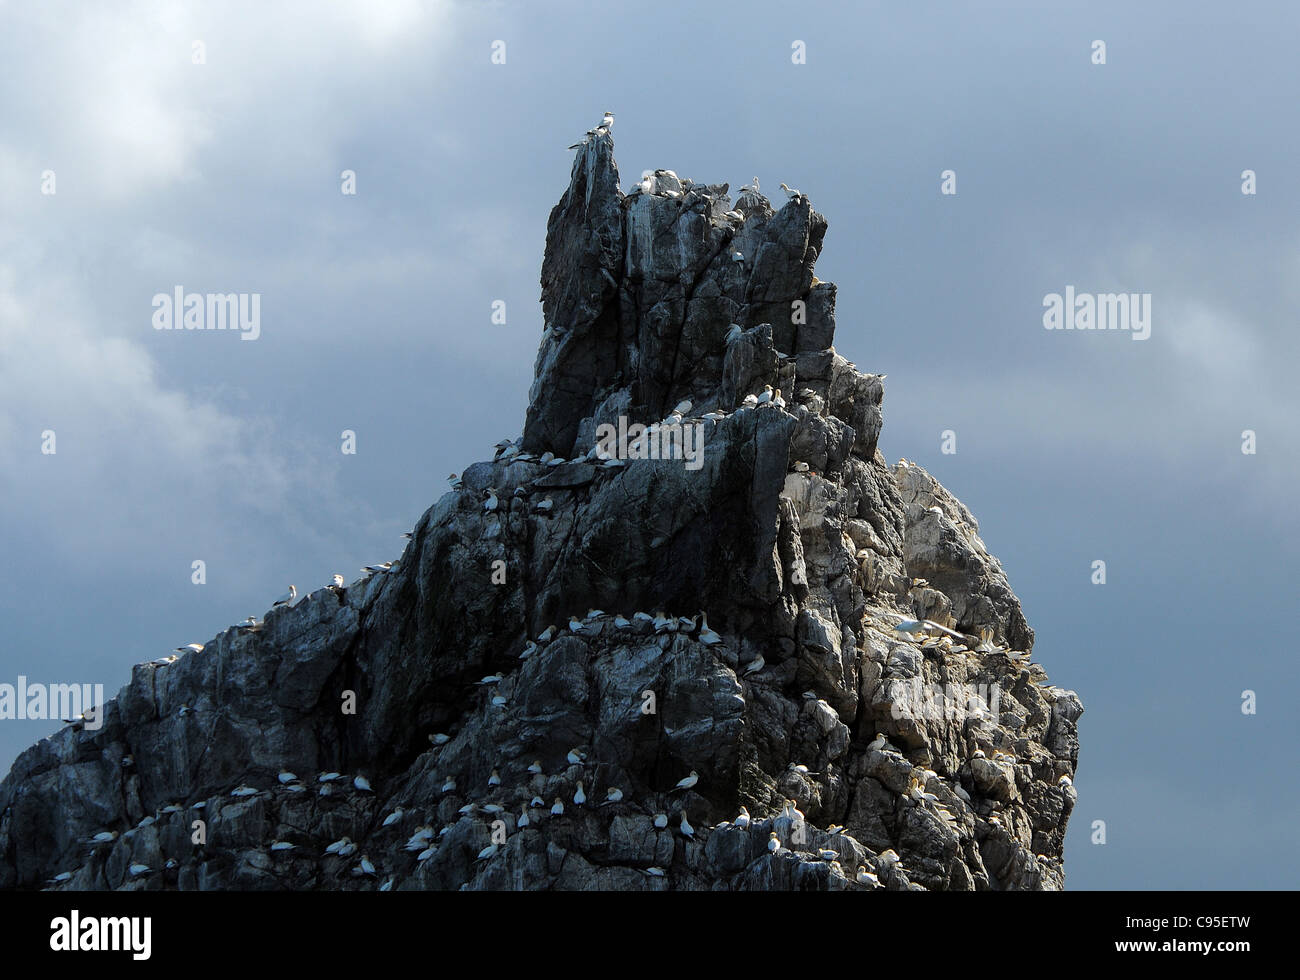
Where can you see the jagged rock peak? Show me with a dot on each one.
(778, 663)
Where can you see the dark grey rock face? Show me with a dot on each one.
(795, 538)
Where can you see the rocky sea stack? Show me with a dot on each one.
(804, 549)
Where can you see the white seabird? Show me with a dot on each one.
(286, 777)
(737, 256)
(544, 506)
(523, 820)
(489, 680)
(558, 808)
(244, 791)
(338, 581)
(427, 853)
(490, 500)
(793, 194)
(622, 622)
(449, 786)
(579, 797)
(576, 756)
(742, 819)
(613, 794)
(661, 820)
(366, 867)
(686, 828)
(337, 846)
(139, 869)
(766, 396)
(1065, 780)
(489, 852)
(329, 777)
(754, 666)
(440, 738)
(655, 872)
(529, 649)
(288, 598)
(393, 817)
(777, 400)
(362, 784)
(281, 845)
(494, 779)
(576, 625)
(454, 480)
(750, 401)
(686, 782)
(773, 843)
(420, 838)
(536, 767)
(190, 648)
(546, 635)
(865, 877)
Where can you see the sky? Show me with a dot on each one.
(218, 167)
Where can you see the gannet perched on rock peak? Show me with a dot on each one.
(686, 782)
(288, 598)
(686, 828)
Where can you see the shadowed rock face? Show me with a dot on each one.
(809, 569)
